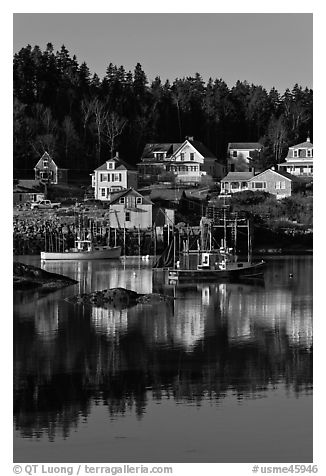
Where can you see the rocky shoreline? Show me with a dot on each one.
(30, 277)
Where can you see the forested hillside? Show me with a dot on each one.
(81, 119)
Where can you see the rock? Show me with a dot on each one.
(28, 277)
(117, 297)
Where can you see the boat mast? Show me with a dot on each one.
(224, 221)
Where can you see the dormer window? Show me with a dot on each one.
(122, 200)
(138, 200)
(309, 152)
(295, 153)
(111, 165)
(159, 155)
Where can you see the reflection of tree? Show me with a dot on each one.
(53, 387)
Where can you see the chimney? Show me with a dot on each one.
(117, 155)
(308, 139)
(189, 137)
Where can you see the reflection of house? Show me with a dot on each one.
(299, 160)
(114, 175)
(182, 163)
(280, 184)
(47, 170)
(235, 182)
(129, 209)
(27, 191)
(240, 155)
(109, 320)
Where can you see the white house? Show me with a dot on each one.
(129, 209)
(240, 154)
(280, 184)
(185, 163)
(112, 176)
(299, 160)
(235, 182)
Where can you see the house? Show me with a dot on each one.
(46, 170)
(112, 176)
(129, 209)
(299, 160)
(27, 191)
(184, 163)
(236, 182)
(155, 160)
(240, 155)
(278, 183)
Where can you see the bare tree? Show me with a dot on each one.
(87, 107)
(100, 115)
(113, 127)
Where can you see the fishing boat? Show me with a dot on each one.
(85, 245)
(83, 250)
(213, 264)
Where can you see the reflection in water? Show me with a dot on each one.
(211, 339)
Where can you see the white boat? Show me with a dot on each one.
(84, 250)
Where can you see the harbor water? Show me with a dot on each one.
(221, 373)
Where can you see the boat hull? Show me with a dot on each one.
(247, 270)
(103, 253)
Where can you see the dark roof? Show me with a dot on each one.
(120, 165)
(238, 176)
(166, 194)
(117, 195)
(245, 145)
(28, 186)
(202, 149)
(169, 148)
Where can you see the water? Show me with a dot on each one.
(221, 374)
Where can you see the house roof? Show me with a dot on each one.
(117, 195)
(302, 145)
(236, 176)
(202, 149)
(28, 186)
(120, 165)
(169, 148)
(166, 194)
(245, 145)
(286, 175)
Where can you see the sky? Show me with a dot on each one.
(268, 49)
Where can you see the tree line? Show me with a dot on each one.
(81, 120)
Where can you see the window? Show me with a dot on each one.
(301, 170)
(283, 185)
(278, 185)
(103, 177)
(122, 200)
(192, 156)
(117, 177)
(159, 155)
(110, 165)
(139, 200)
(103, 192)
(182, 156)
(127, 216)
(295, 153)
(45, 163)
(234, 153)
(259, 185)
(308, 152)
